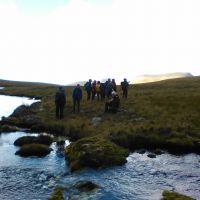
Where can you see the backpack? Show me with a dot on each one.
(87, 85)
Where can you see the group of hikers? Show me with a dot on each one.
(94, 89)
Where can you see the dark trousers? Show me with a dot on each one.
(93, 95)
(76, 101)
(125, 93)
(98, 95)
(102, 93)
(59, 110)
(88, 94)
(108, 93)
(109, 106)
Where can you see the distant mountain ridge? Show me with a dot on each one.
(145, 78)
(160, 77)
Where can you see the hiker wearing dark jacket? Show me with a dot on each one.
(88, 88)
(113, 104)
(124, 87)
(108, 88)
(98, 85)
(93, 89)
(77, 96)
(60, 101)
(114, 85)
(102, 91)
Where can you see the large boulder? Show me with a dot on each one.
(39, 150)
(22, 110)
(41, 139)
(25, 116)
(95, 152)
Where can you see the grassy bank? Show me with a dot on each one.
(166, 113)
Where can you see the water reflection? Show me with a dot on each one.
(8, 104)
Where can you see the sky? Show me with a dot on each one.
(64, 41)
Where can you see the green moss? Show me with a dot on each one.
(38, 150)
(153, 139)
(41, 139)
(96, 152)
(57, 194)
(7, 128)
(170, 195)
(180, 145)
(50, 127)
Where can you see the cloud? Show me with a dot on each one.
(116, 39)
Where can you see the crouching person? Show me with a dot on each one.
(113, 104)
(77, 96)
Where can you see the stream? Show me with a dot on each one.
(141, 178)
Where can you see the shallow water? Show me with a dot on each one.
(141, 178)
(8, 104)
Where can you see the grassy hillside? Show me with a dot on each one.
(161, 111)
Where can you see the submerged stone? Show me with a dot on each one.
(151, 155)
(141, 151)
(85, 186)
(158, 152)
(171, 195)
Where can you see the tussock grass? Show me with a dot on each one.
(168, 110)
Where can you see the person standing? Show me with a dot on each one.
(124, 87)
(93, 89)
(98, 85)
(108, 88)
(77, 96)
(60, 101)
(88, 88)
(114, 85)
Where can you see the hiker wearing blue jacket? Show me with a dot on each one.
(88, 88)
(108, 88)
(77, 96)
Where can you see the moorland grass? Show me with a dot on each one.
(166, 113)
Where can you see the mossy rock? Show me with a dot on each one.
(39, 150)
(41, 139)
(22, 110)
(95, 152)
(8, 128)
(57, 194)
(171, 195)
